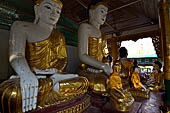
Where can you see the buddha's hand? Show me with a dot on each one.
(107, 69)
(144, 87)
(29, 91)
(56, 86)
(46, 71)
(59, 77)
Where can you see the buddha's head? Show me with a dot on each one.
(47, 11)
(97, 11)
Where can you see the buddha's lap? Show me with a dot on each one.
(10, 92)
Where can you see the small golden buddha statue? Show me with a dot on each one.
(120, 98)
(130, 77)
(157, 79)
(138, 89)
(135, 78)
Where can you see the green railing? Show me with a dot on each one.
(146, 60)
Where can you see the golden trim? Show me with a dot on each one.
(38, 2)
(118, 107)
(3, 96)
(79, 108)
(140, 93)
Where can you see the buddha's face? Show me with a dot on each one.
(49, 12)
(119, 84)
(99, 14)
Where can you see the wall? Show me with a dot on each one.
(4, 37)
(73, 60)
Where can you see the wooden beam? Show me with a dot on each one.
(139, 35)
(123, 6)
(139, 30)
(129, 25)
(82, 4)
(109, 26)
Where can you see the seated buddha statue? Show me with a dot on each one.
(156, 77)
(131, 76)
(38, 56)
(125, 66)
(92, 50)
(121, 98)
(92, 46)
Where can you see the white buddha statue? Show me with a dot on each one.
(38, 55)
(92, 49)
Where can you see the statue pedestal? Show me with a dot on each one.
(98, 100)
(108, 108)
(76, 105)
(139, 95)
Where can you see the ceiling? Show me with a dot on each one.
(123, 15)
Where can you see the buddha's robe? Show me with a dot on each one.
(96, 77)
(126, 68)
(136, 80)
(133, 79)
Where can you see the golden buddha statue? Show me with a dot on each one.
(156, 77)
(138, 89)
(125, 67)
(136, 80)
(130, 77)
(38, 55)
(120, 98)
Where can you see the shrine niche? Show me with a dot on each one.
(158, 46)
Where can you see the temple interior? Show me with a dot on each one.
(143, 79)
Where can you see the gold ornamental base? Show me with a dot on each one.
(74, 106)
(79, 108)
(117, 106)
(138, 93)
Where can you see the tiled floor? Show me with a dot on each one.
(152, 104)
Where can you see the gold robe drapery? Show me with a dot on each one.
(50, 53)
(96, 49)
